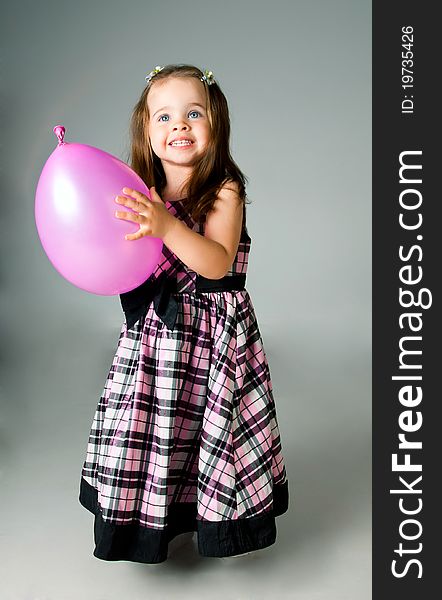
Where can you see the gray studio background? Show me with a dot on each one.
(297, 75)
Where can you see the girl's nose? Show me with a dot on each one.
(181, 125)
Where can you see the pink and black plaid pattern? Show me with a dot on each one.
(174, 267)
(187, 419)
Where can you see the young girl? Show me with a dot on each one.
(185, 436)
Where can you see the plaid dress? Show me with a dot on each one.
(185, 435)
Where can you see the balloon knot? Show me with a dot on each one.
(59, 132)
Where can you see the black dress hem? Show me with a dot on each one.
(135, 543)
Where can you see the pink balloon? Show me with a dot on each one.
(75, 218)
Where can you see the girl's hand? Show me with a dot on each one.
(152, 215)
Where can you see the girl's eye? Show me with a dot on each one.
(165, 115)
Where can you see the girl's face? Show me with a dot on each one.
(177, 109)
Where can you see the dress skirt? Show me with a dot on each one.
(185, 435)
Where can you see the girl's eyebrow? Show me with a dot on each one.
(190, 104)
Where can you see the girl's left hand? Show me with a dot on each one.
(152, 215)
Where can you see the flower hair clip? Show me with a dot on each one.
(153, 73)
(208, 77)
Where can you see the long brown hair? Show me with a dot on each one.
(212, 170)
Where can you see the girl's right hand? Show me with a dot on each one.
(152, 215)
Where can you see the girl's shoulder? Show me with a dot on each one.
(230, 184)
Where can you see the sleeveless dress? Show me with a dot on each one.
(185, 435)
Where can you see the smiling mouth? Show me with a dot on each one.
(181, 144)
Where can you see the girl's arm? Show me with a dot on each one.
(210, 255)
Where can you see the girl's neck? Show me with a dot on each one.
(175, 182)
(170, 193)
